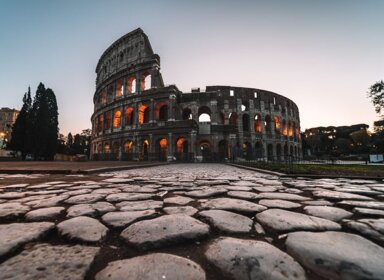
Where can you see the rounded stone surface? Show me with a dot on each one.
(337, 255)
(179, 200)
(11, 209)
(83, 228)
(330, 213)
(284, 221)
(185, 210)
(152, 266)
(237, 205)
(139, 205)
(251, 259)
(165, 230)
(84, 198)
(278, 203)
(228, 221)
(282, 196)
(121, 219)
(44, 213)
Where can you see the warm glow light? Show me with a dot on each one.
(117, 119)
(141, 116)
(179, 144)
(163, 143)
(128, 146)
(277, 124)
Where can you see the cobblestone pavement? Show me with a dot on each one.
(196, 221)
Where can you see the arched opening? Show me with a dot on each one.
(107, 148)
(129, 117)
(291, 151)
(204, 114)
(223, 150)
(131, 87)
(108, 120)
(103, 97)
(99, 148)
(277, 124)
(270, 152)
(110, 94)
(245, 122)
(119, 88)
(296, 155)
(286, 151)
(128, 146)
(144, 149)
(290, 130)
(117, 119)
(115, 148)
(182, 149)
(143, 114)
(258, 150)
(278, 152)
(221, 118)
(162, 149)
(244, 106)
(101, 123)
(294, 130)
(267, 123)
(187, 114)
(285, 131)
(233, 119)
(258, 124)
(161, 111)
(205, 149)
(145, 81)
(247, 150)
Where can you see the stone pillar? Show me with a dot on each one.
(138, 83)
(171, 107)
(170, 145)
(214, 112)
(152, 111)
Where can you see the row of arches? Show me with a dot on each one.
(127, 85)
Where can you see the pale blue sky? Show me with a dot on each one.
(322, 54)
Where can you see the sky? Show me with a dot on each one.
(322, 54)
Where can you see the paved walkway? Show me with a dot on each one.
(196, 221)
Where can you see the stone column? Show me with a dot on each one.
(170, 145)
(152, 111)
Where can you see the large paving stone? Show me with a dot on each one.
(12, 209)
(152, 266)
(186, 210)
(103, 207)
(285, 221)
(330, 213)
(251, 259)
(43, 214)
(228, 221)
(16, 234)
(85, 198)
(282, 196)
(139, 205)
(44, 261)
(337, 255)
(365, 204)
(117, 197)
(208, 192)
(372, 228)
(47, 202)
(83, 228)
(237, 205)
(339, 195)
(370, 212)
(243, 195)
(122, 219)
(81, 210)
(278, 203)
(165, 230)
(179, 200)
(137, 189)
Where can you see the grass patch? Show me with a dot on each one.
(320, 169)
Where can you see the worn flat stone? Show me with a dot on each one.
(285, 221)
(337, 255)
(208, 192)
(85, 198)
(81, 210)
(365, 204)
(103, 207)
(278, 203)
(83, 228)
(265, 189)
(370, 212)
(237, 205)
(47, 202)
(251, 259)
(12, 209)
(317, 203)
(227, 221)
(243, 195)
(340, 195)
(282, 196)
(179, 200)
(118, 197)
(372, 228)
(121, 219)
(14, 235)
(137, 189)
(44, 261)
(165, 230)
(139, 205)
(43, 214)
(330, 213)
(186, 210)
(11, 195)
(238, 188)
(152, 266)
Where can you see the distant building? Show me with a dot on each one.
(7, 119)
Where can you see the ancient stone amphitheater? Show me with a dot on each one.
(137, 117)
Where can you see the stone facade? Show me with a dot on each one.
(137, 117)
(7, 119)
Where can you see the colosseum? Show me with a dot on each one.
(137, 117)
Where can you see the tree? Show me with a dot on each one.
(376, 93)
(19, 137)
(44, 118)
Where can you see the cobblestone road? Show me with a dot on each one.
(196, 221)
